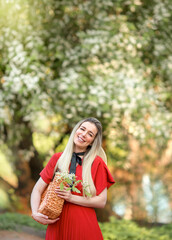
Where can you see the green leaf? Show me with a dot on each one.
(87, 193)
(76, 183)
(76, 190)
(61, 186)
(73, 188)
(69, 181)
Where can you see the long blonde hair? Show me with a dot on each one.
(94, 150)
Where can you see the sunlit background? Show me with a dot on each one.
(61, 61)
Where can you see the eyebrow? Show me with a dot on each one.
(89, 131)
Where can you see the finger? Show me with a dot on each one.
(41, 221)
(60, 195)
(64, 189)
(55, 220)
(51, 221)
(43, 216)
(60, 192)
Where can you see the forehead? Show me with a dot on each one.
(90, 127)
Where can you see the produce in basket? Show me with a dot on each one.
(51, 205)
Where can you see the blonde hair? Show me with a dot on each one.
(91, 152)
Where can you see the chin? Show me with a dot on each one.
(80, 148)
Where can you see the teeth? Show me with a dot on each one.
(80, 139)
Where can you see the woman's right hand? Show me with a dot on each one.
(43, 219)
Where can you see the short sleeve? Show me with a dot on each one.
(47, 173)
(101, 175)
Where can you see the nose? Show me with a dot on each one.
(84, 134)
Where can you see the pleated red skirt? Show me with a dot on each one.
(76, 223)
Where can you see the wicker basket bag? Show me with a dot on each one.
(51, 205)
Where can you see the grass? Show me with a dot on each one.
(10, 221)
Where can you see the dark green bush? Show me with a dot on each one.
(126, 230)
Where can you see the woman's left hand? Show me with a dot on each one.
(65, 194)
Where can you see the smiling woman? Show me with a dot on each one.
(82, 157)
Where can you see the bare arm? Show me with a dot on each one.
(95, 202)
(35, 201)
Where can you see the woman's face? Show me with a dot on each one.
(84, 136)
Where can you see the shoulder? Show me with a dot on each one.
(101, 175)
(53, 160)
(98, 161)
(47, 173)
(56, 155)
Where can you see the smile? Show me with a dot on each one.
(80, 139)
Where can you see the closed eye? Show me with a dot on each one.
(90, 133)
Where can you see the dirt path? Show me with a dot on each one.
(12, 235)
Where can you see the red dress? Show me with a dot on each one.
(78, 222)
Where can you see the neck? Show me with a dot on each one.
(77, 150)
(81, 152)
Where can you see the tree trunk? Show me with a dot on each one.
(28, 163)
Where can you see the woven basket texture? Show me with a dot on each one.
(51, 205)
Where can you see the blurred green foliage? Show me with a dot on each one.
(4, 201)
(113, 230)
(11, 221)
(124, 230)
(109, 59)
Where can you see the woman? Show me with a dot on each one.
(78, 219)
